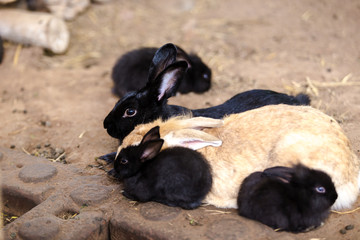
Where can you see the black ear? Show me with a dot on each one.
(166, 84)
(152, 134)
(181, 55)
(283, 174)
(164, 56)
(150, 149)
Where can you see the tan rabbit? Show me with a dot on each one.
(278, 135)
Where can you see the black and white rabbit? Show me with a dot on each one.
(290, 199)
(165, 73)
(176, 176)
(131, 70)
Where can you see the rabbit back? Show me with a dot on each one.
(130, 71)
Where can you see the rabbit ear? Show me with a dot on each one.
(164, 56)
(182, 56)
(167, 82)
(283, 174)
(201, 123)
(152, 134)
(150, 149)
(191, 138)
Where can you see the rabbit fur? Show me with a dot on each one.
(274, 135)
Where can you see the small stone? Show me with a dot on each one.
(12, 146)
(349, 227)
(59, 151)
(25, 111)
(343, 231)
(47, 145)
(38, 146)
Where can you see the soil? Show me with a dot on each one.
(287, 46)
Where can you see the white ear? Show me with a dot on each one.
(201, 122)
(191, 138)
(168, 83)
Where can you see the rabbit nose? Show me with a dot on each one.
(108, 123)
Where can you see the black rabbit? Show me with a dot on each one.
(131, 70)
(150, 102)
(176, 176)
(290, 199)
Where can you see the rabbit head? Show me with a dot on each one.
(129, 160)
(148, 103)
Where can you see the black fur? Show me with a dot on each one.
(131, 70)
(150, 102)
(176, 176)
(287, 198)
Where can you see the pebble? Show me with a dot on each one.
(59, 151)
(349, 227)
(47, 145)
(46, 123)
(343, 231)
(12, 146)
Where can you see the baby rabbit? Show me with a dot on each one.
(293, 199)
(131, 71)
(165, 72)
(176, 176)
(275, 135)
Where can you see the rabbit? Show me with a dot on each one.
(274, 135)
(295, 199)
(177, 176)
(130, 72)
(149, 103)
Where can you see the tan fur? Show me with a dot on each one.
(278, 135)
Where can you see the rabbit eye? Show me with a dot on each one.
(130, 112)
(320, 189)
(124, 161)
(205, 75)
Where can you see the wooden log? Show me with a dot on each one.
(40, 29)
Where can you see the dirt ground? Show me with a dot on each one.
(287, 46)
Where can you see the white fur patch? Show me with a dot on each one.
(347, 195)
(166, 84)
